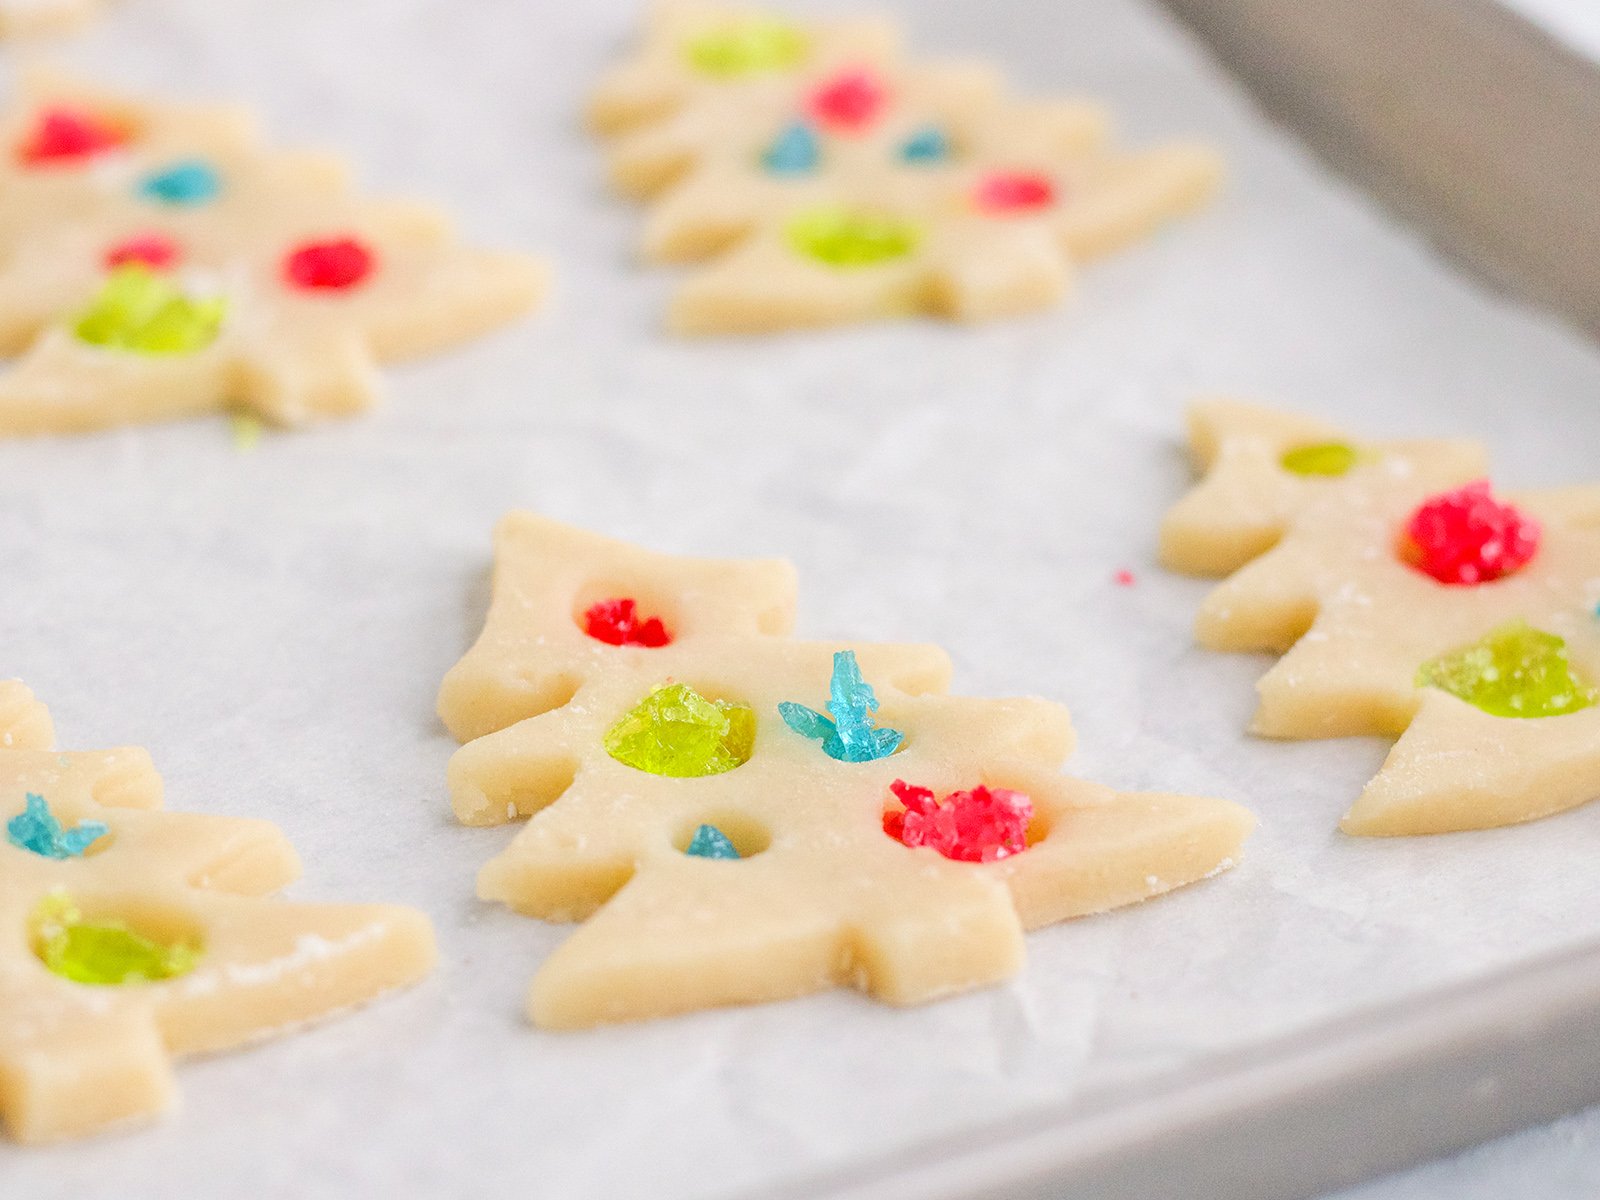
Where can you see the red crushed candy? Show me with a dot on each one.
(1467, 536)
(331, 265)
(1123, 578)
(982, 825)
(617, 623)
(1014, 192)
(64, 134)
(154, 250)
(849, 102)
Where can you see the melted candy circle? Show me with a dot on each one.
(1468, 537)
(981, 825)
(1329, 459)
(751, 46)
(676, 731)
(1513, 671)
(103, 953)
(140, 311)
(840, 237)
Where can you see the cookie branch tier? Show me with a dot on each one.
(21, 18)
(764, 868)
(160, 262)
(817, 176)
(1407, 601)
(132, 935)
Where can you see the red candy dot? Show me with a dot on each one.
(1014, 192)
(1123, 578)
(329, 266)
(981, 825)
(154, 250)
(62, 134)
(849, 102)
(1467, 536)
(617, 623)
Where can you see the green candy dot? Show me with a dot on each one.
(842, 237)
(749, 46)
(1325, 458)
(1513, 671)
(678, 732)
(103, 953)
(144, 312)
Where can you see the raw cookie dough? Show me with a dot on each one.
(75, 1057)
(316, 284)
(827, 180)
(1320, 578)
(21, 17)
(822, 897)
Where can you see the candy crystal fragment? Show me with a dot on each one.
(926, 145)
(841, 237)
(748, 46)
(329, 266)
(192, 182)
(37, 829)
(1513, 671)
(1008, 192)
(710, 842)
(103, 953)
(851, 736)
(849, 102)
(1330, 459)
(676, 731)
(616, 622)
(154, 250)
(793, 152)
(63, 134)
(1467, 536)
(140, 311)
(981, 825)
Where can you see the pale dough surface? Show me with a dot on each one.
(693, 145)
(23, 17)
(1317, 577)
(286, 354)
(825, 898)
(75, 1058)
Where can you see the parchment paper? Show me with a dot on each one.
(273, 623)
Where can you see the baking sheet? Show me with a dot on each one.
(273, 623)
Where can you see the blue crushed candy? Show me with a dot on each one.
(795, 151)
(190, 182)
(851, 736)
(36, 829)
(710, 842)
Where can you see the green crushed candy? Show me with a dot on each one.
(147, 313)
(842, 237)
(1513, 671)
(1330, 459)
(748, 46)
(103, 953)
(678, 732)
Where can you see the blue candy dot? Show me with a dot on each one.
(795, 151)
(927, 144)
(710, 842)
(36, 830)
(851, 735)
(191, 182)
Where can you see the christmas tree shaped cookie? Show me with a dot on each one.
(835, 181)
(162, 263)
(1408, 599)
(738, 816)
(135, 934)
